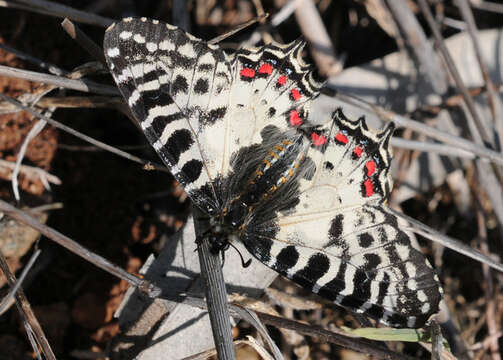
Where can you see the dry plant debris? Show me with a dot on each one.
(124, 213)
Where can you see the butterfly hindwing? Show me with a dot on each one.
(339, 241)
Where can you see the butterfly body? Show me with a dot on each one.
(307, 198)
(268, 175)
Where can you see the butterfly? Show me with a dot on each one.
(306, 198)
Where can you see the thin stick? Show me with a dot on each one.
(491, 184)
(479, 133)
(63, 11)
(436, 341)
(53, 69)
(70, 102)
(180, 15)
(83, 40)
(216, 294)
(487, 6)
(423, 53)
(493, 97)
(31, 172)
(80, 85)
(453, 244)
(236, 29)
(78, 249)
(25, 310)
(12, 293)
(341, 339)
(402, 121)
(491, 313)
(86, 138)
(430, 147)
(313, 29)
(276, 20)
(34, 131)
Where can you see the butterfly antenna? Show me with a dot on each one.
(244, 263)
(236, 29)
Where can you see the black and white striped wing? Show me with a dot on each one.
(339, 240)
(197, 105)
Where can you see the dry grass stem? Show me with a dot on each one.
(85, 137)
(83, 40)
(7, 300)
(53, 69)
(59, 10)
(31, 172)
(26, 312)
(479, 132)
(417, 43)
(314, 31)
(453, 244)
(76, 248)
(80, 85)
(404, 122)
(493, 98)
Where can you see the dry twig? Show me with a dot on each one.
(58, 10)
(83, 40)
(31, 322)
(31, 172)
(80, 85)
(314, 31)
(78, 249)
(146, 164)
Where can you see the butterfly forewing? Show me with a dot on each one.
(170, 79)
(187, 96)
(306, 199)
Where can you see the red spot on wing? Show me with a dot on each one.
(318, 140)
(247, 72)
(282, 80)
(369, 188)
(358, 151)
(265, 69)
(295, 94)
(341, 138)
(371, 167)
(295, 119)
